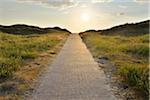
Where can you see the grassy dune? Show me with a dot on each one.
(17, 49)
(130, 55)
(22, 57)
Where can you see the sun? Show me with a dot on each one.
(85, 17)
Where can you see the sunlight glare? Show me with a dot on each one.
(85, 17)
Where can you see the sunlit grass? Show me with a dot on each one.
(130, 55)
(15, 50)
(136, 76)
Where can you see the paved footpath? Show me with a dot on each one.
(74, 75)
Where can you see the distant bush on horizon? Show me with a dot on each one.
(22, 29)
(132, 29)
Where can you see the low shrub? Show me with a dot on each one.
(138, 50)
(8, 66)
(15, 49)
(136, 76)
(130, 55)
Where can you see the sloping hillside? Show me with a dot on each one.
(22, 29)
(132, 29)
(123, 53)
(24, 52)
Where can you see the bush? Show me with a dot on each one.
(145, 38)
(28, 55)
(8, 66)
(15, 49)
(128, 53)
(139, 50)
(136, 76)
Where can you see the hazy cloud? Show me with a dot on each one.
(122, 6)
(100, 1)
(60, 4)
(104, 1)
(120, 14)
(141, 1)
(64, 4)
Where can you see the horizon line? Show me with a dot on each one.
(135, 22)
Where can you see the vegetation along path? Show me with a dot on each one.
(74, 75)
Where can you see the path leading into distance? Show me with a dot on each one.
(74, 75)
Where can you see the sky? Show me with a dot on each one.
(74, 15)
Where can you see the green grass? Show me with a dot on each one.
(139, 50)
(15, 50)
(136, 76)
(130, 55)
